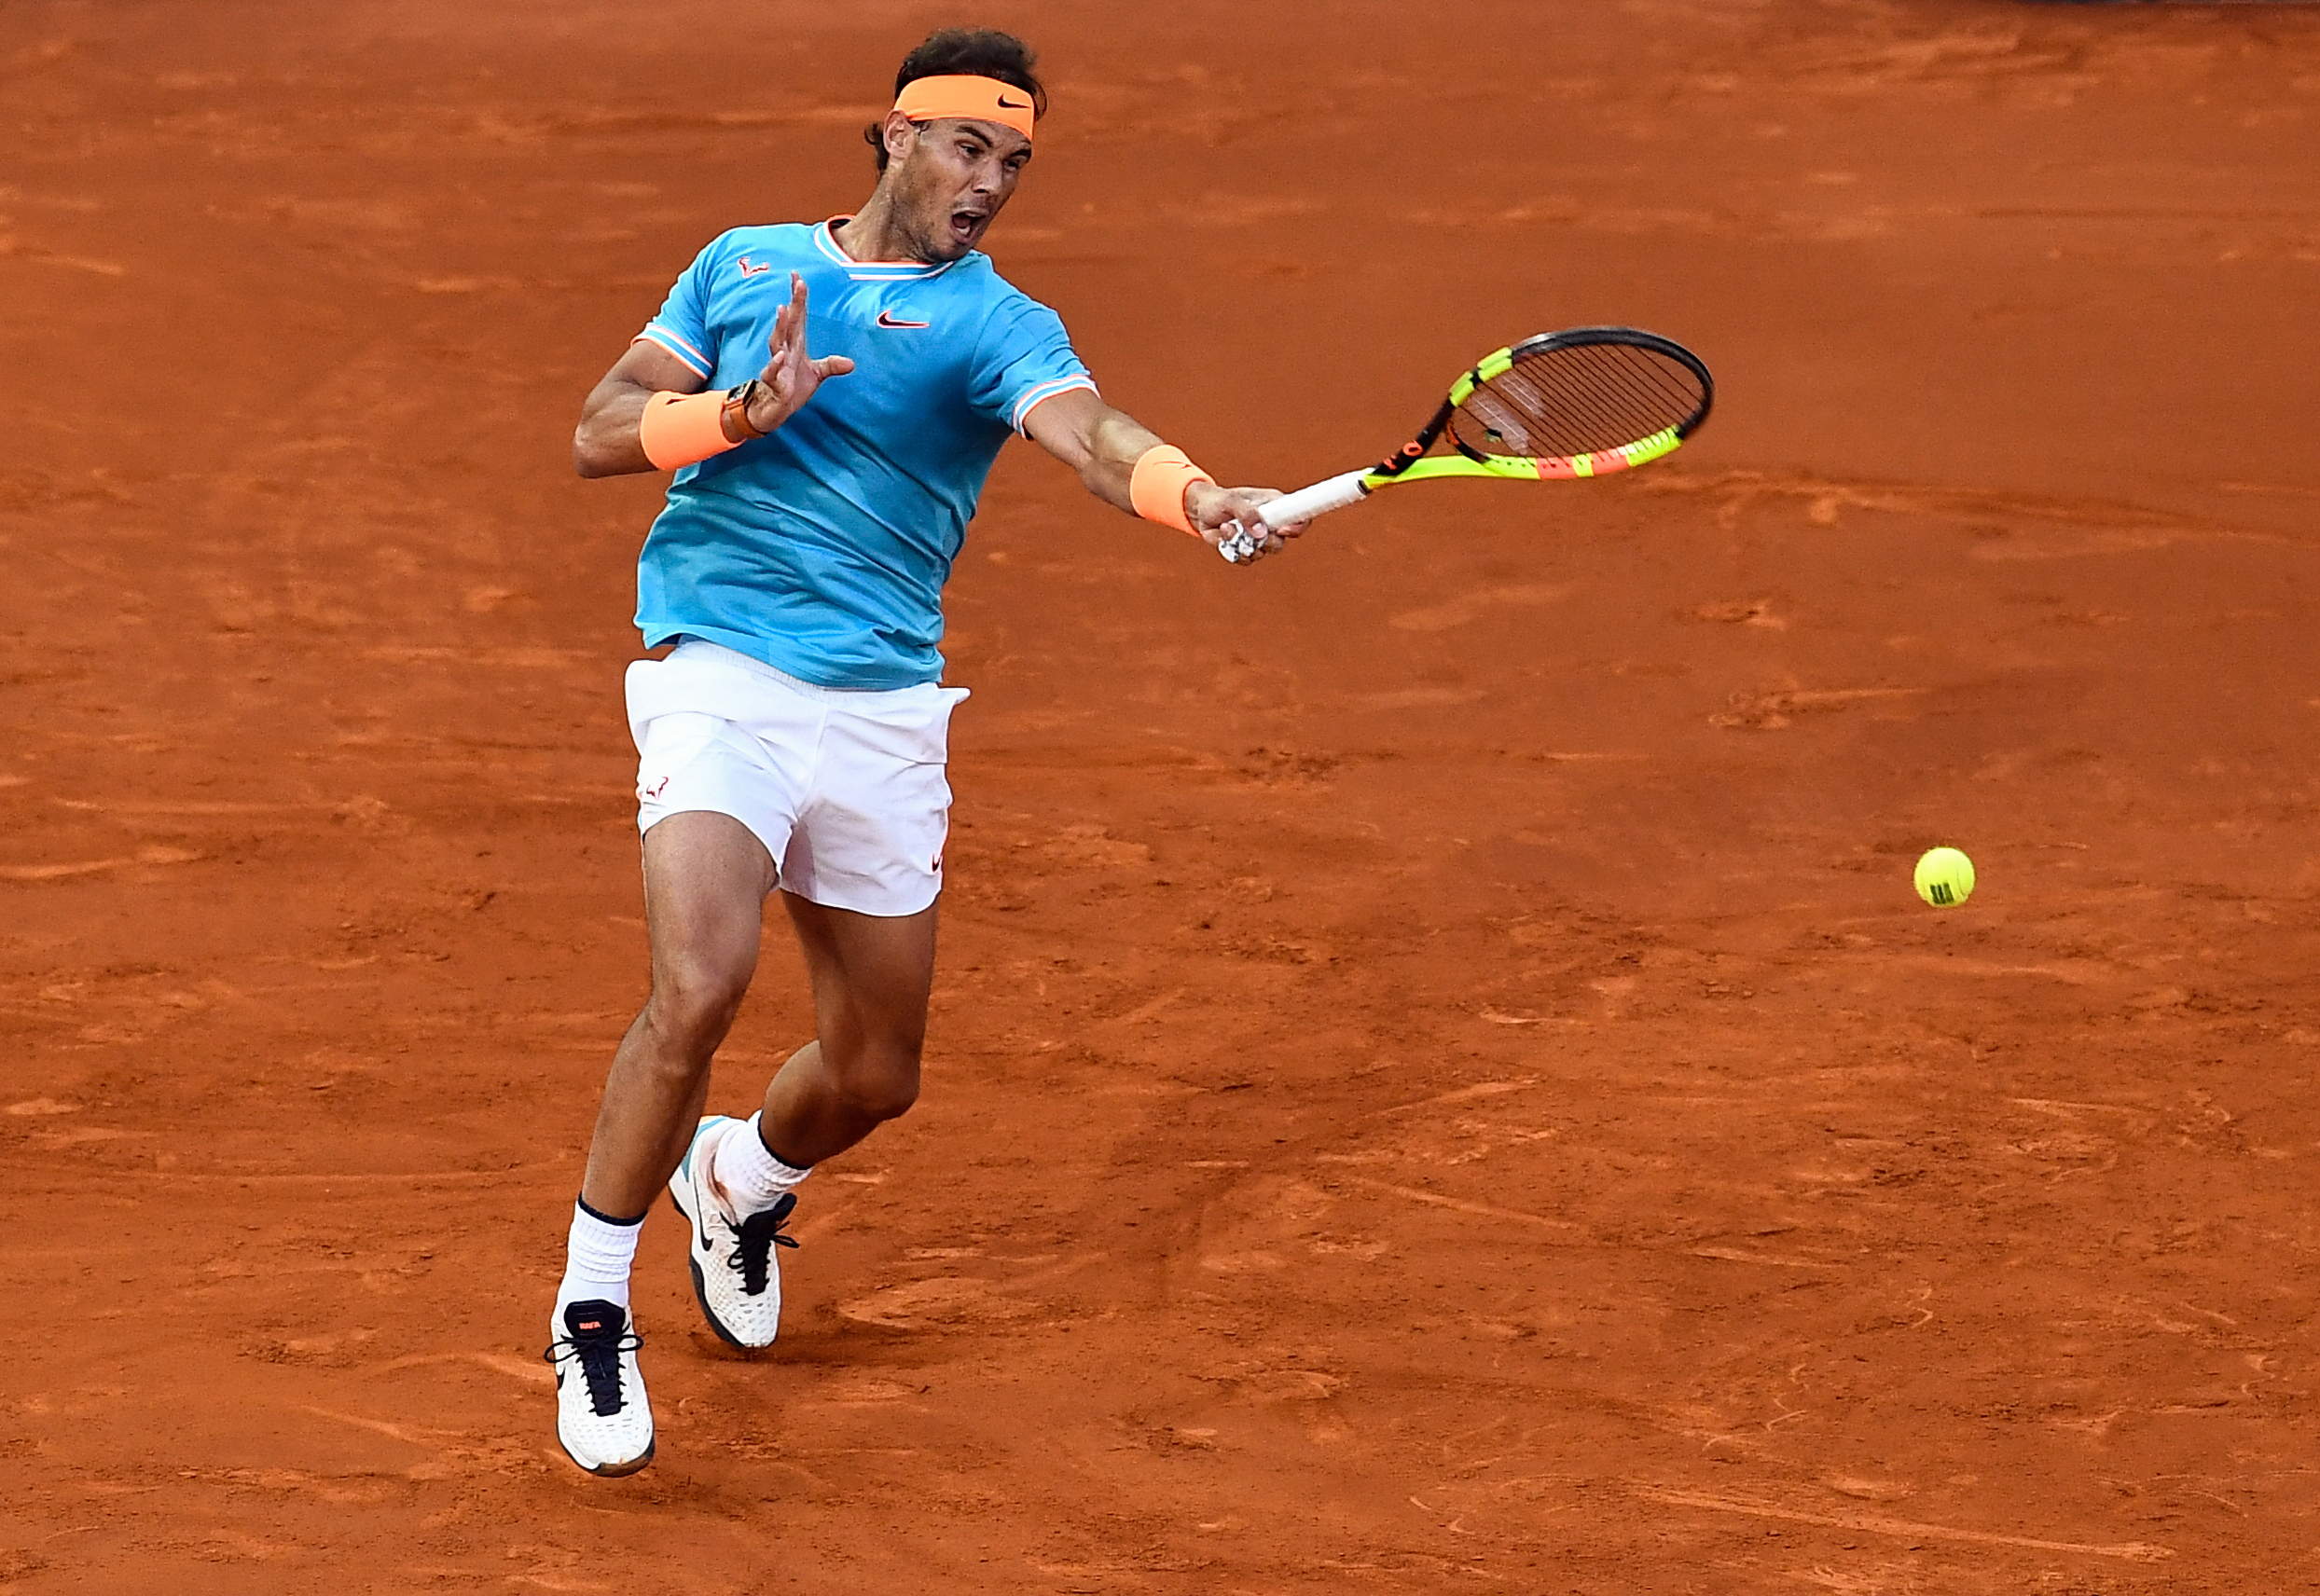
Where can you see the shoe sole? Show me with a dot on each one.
(614, 1470)
(693, 1259)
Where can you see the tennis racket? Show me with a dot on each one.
(1584, 402)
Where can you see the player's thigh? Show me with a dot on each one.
(872, 974)
(706, 876)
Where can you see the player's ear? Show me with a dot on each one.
(900, 135)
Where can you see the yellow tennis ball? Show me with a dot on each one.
(1945, 877)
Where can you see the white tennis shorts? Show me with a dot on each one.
(846, 789)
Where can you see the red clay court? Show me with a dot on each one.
(1439, 1080)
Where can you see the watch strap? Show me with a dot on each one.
(735, 414)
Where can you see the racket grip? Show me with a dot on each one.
(1334, 493)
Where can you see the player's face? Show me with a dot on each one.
(953, 179)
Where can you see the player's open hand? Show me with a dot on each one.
(791, 374)
(1228, 519)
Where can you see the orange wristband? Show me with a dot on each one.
(1157, 487)
(684, 429)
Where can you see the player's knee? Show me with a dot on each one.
(694, 1002)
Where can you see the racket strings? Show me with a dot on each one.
(1591, 397)
(1578, 399)
(1656, 390)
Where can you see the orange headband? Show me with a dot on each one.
(981, 99)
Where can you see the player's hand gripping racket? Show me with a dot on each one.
(1584, 403)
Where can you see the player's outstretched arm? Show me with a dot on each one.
(614, 435)
(1104, 445)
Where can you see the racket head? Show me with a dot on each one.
(1584, 402)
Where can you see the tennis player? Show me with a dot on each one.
(830, 398)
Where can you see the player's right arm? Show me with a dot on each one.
(1108, 446)
(610, 439)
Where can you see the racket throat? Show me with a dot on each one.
(1409, 454)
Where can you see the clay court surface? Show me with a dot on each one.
(1438, 1082)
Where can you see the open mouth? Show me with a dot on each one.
(967, 225)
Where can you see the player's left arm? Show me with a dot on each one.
(1103, 445)
(611, 438)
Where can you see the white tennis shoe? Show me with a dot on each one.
(734, 1274)
(601, 1414)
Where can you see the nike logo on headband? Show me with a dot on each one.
(1015, 104)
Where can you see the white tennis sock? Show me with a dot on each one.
(598, 1256)
(745, 1170)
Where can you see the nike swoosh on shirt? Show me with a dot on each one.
(886, 319)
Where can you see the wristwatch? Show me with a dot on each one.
(734, 416)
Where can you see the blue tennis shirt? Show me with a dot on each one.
(822, 549)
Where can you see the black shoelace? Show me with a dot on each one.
(597, 1354)
(760, 1234)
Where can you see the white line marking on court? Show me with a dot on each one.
(409, 1433)
(1435, 1200)
(531, 1372)
(1733, 1254)
(2133, 1551)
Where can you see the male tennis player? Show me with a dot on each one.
(795, 739)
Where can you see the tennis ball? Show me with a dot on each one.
(1945, 877)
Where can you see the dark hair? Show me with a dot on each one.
(965, 52)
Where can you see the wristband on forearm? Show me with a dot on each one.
(684, 429)
(1157, 487)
